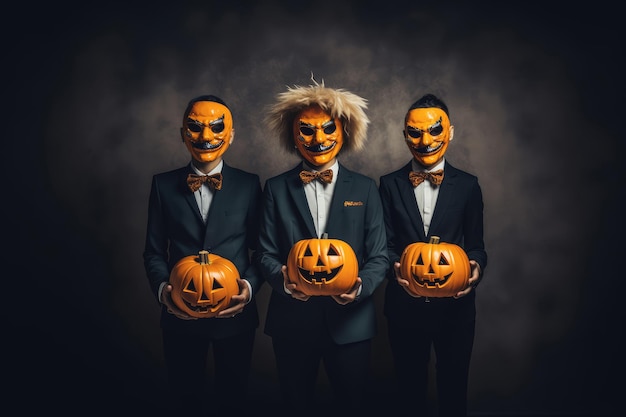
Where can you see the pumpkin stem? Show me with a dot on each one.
(434, 239)
(324, 235)
(204, 257)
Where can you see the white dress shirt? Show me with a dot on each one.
(426, 194)
(204, 195)
(319, 196)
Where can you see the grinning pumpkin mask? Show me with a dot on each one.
(427, 132)
(208, 131)
(318, 136)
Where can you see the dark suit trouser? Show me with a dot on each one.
(186, 360)
(347, 367)
(411, 350)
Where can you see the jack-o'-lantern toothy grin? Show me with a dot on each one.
(432, 282)
(200, 309)
(319, 277)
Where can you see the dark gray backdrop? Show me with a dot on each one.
(535, 95)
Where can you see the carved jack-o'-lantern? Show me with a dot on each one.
(203, 284)
(435, 269)
(322, 266)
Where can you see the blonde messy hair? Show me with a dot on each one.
(341, 104)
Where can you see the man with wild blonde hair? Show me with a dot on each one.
(321, 197)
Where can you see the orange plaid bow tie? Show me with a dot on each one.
(213, 181)
(324, 176)
(435, 177)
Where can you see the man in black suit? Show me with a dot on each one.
(315, 123)
(187, 214)
(452, 209)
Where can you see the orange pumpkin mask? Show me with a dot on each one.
(208, 131)
(322, 266)
(435, 269)
(318, 136)
(427, 132)
(203, 284)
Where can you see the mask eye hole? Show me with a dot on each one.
(328, 129)
(307, 131)
(194, 126)
(413, 132)
(436, 130)
(417, 133)
(217, 127)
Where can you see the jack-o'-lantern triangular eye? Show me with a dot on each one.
(332, 251)
(419, 261)
(443, 260)
(307, 252)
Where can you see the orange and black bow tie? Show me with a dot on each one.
(435, 177)
(213, 181)
(324, 176)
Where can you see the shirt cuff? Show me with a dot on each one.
(163, 284)
(249, 289)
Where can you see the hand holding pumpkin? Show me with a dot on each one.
(237, 301)
(292, 288)
(403, 282)
(350, 296)
(473, 280)
(166, 299)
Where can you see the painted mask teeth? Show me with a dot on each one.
(206, 146)
(320, 148)
(428, 149)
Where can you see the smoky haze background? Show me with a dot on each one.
(98, 95)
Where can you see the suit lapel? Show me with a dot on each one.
(189, 196)
(446, 194)
(296, 192)
(407, 195)
(343, 185)
(219, 204)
